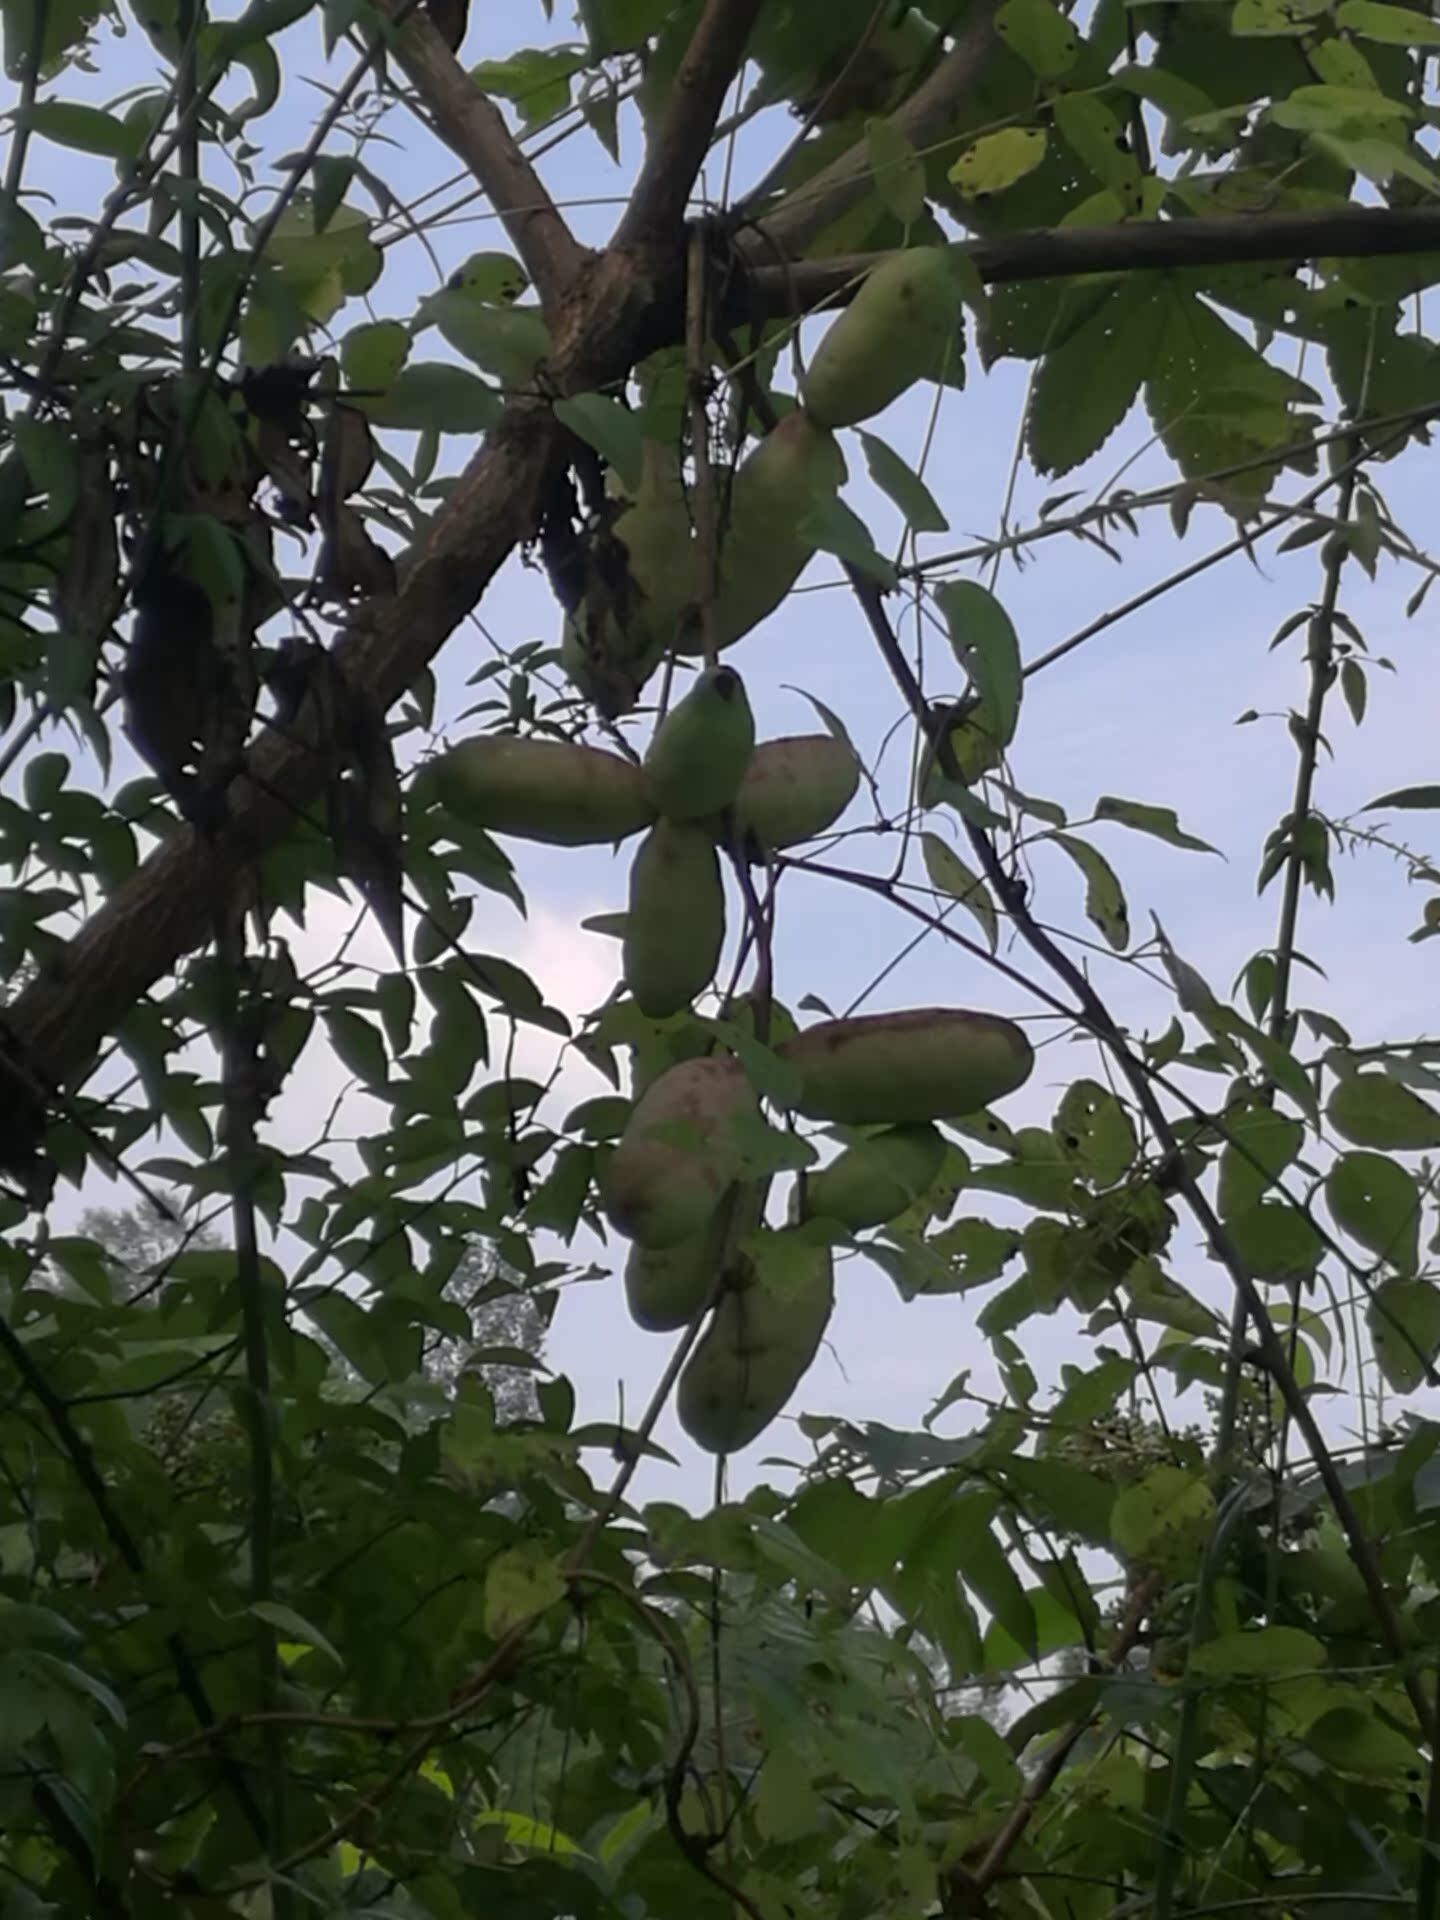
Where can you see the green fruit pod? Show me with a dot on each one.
(796, 466)
(759, 1344)
(680, 1150)
(895, 331)
(876, 1179)
(666, 1287)
(675, 925)
(555, 791)
(702, 747)
(901, 1069)
(794, 789)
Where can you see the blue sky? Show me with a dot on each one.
(1146, 711)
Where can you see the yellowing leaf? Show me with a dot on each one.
(949, 874)
(997, 161)
(1164, 1519)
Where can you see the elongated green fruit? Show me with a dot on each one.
(665, 1288)
(702, 747)
(894, 332)
(897, 1069)
(795, 467)
(680, 1150)
(876, 1179)
(760, 1342)
(675, 925)
(551, 790)
(794, 789)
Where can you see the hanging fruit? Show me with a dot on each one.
(760, 1342)
(899, 1069)
(794, 789)
(796, 467)
(675, 925)
(680, 1150)
(702, 747)
(555, 791)
(898, 329)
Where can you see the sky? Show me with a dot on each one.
(1147, 711)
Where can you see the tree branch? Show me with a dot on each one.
(475, 131)
(676, 151)
(1350, 232)
(924, 118)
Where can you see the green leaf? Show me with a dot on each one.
(293, 1626)
(1159, 821)
(1091, 129)
(997, 160)
(519, 1583)
(1371, 1110)
(1404, 1319)
(1095, 1133)
(984, 641)
(1276, 1242)
(1391, 26)
(536, 79)
(1088, 381)
(1352, 1739)
(1377, 1203)
(1040, 34)
(359, 1046)
(897, 170)
(835, 528)
(896, 478)
(949, 874)
(611, 429)
(1419, 797)
(85, 129)
(433, 397)
(1164, 1520)
(986, 1569)
(1258, 1653)
(1260, 1145)
(1353, 686)
(508, 342)
(1104, 898)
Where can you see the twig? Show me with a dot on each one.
(676, 151)
(697, 368)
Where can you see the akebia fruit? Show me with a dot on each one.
(675, 925)
(680, 1150)
(896, 330)
(899, 1069)
(551, 790)
(702, 747)
(877, 1178)
(666, 1287)
(763, 552)
(793, 790)
(759, 1343)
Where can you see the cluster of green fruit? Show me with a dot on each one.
(676, 1185)
(682, 1183)
(638, 606)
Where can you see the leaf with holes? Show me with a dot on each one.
(949, 874)
(1095, 1133)
(1104, 898)
(1404, 1317)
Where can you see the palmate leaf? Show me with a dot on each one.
(1215, 400)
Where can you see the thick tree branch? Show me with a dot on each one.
(1044, 253)
(924, 118)
(168, 907)
(475, 131)
(676, 151)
